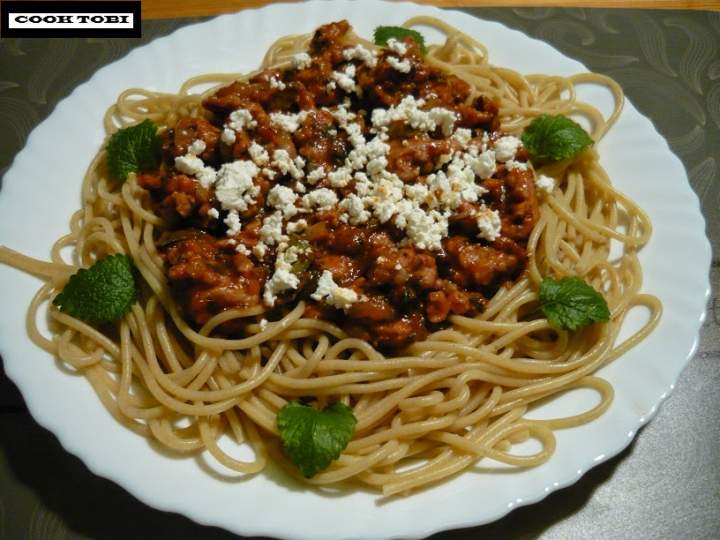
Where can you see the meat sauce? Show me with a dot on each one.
(403, 292)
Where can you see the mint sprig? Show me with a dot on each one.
(553, 138)
(102, 293)
(383, 34)
(570, 303)
(133, 149)
(314, 438)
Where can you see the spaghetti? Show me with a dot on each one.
(444, 402)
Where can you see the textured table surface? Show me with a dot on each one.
(665, 485)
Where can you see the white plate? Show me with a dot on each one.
(42, 188)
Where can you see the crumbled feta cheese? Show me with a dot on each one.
(332, 294)
(277, 83)
(258, 154)
(484, 164)
(234, 226)
(355, 208)
(269, 173)
(545, 183)
(260, 250)
(263, 324)
(206, 177)
(396, 46)
(271, 230)
(489, 224)
(242, 248)
(340, 177)
(295, 227)
(228, 136)
(512, 165)
(345, 79)
(398, 65)
(358, 52)
(463, 136)
(301, 60)
(281, 159)
(506, 147)
(234, 187)
(409, 112)
(283, 278)
(289, 122)
(213, 213)
(197, 147)
(283, 198)
(189, 164)
(240, 119)
(321, 199)
(316, 175)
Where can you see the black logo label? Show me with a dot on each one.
(60, 18)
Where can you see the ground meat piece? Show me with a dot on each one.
(207, 280)
(178, 197)
(475, 265)
(413, 157)
(188, 130)
(343, 268)
(522, 207)
(399, 333)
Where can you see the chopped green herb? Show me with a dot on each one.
(552, 138)
(102, 293)
(133, 149)
(570, 303)
(313, 439)
(384, 33)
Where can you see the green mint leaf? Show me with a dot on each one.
(102, 293)
(570, 303)
(313, 439)
(383, 33)
(133, 149)
(552, 138)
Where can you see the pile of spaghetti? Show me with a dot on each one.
(249, 323)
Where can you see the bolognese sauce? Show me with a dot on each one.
(373, 186)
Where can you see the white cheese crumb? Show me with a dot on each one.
(512, 165)
(332, 294)
(289, 122)
(281, 159)
(263, 324)
(283, 278)
(463, 136)
(242, 248)
(234, 187)
(213, 213)
(316, 175)
(321, 199)
(489, 224)
(269, 173)
(260, 250)
(283, 198)
(298, 226)
(396, 46)
(301, 60)
(234, 226)
(358, 52)
(545, 183)
(228, 136)
(258, 154)
(240, 119)
(506, 147)
(345, 79)
(189, 164)
(271, 230)
(355, 208)
(409, 112)
(340, 177)
(484, 164)
(197, 147)
(401, 66)
(277, 83)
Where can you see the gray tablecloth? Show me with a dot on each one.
(665, 485)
